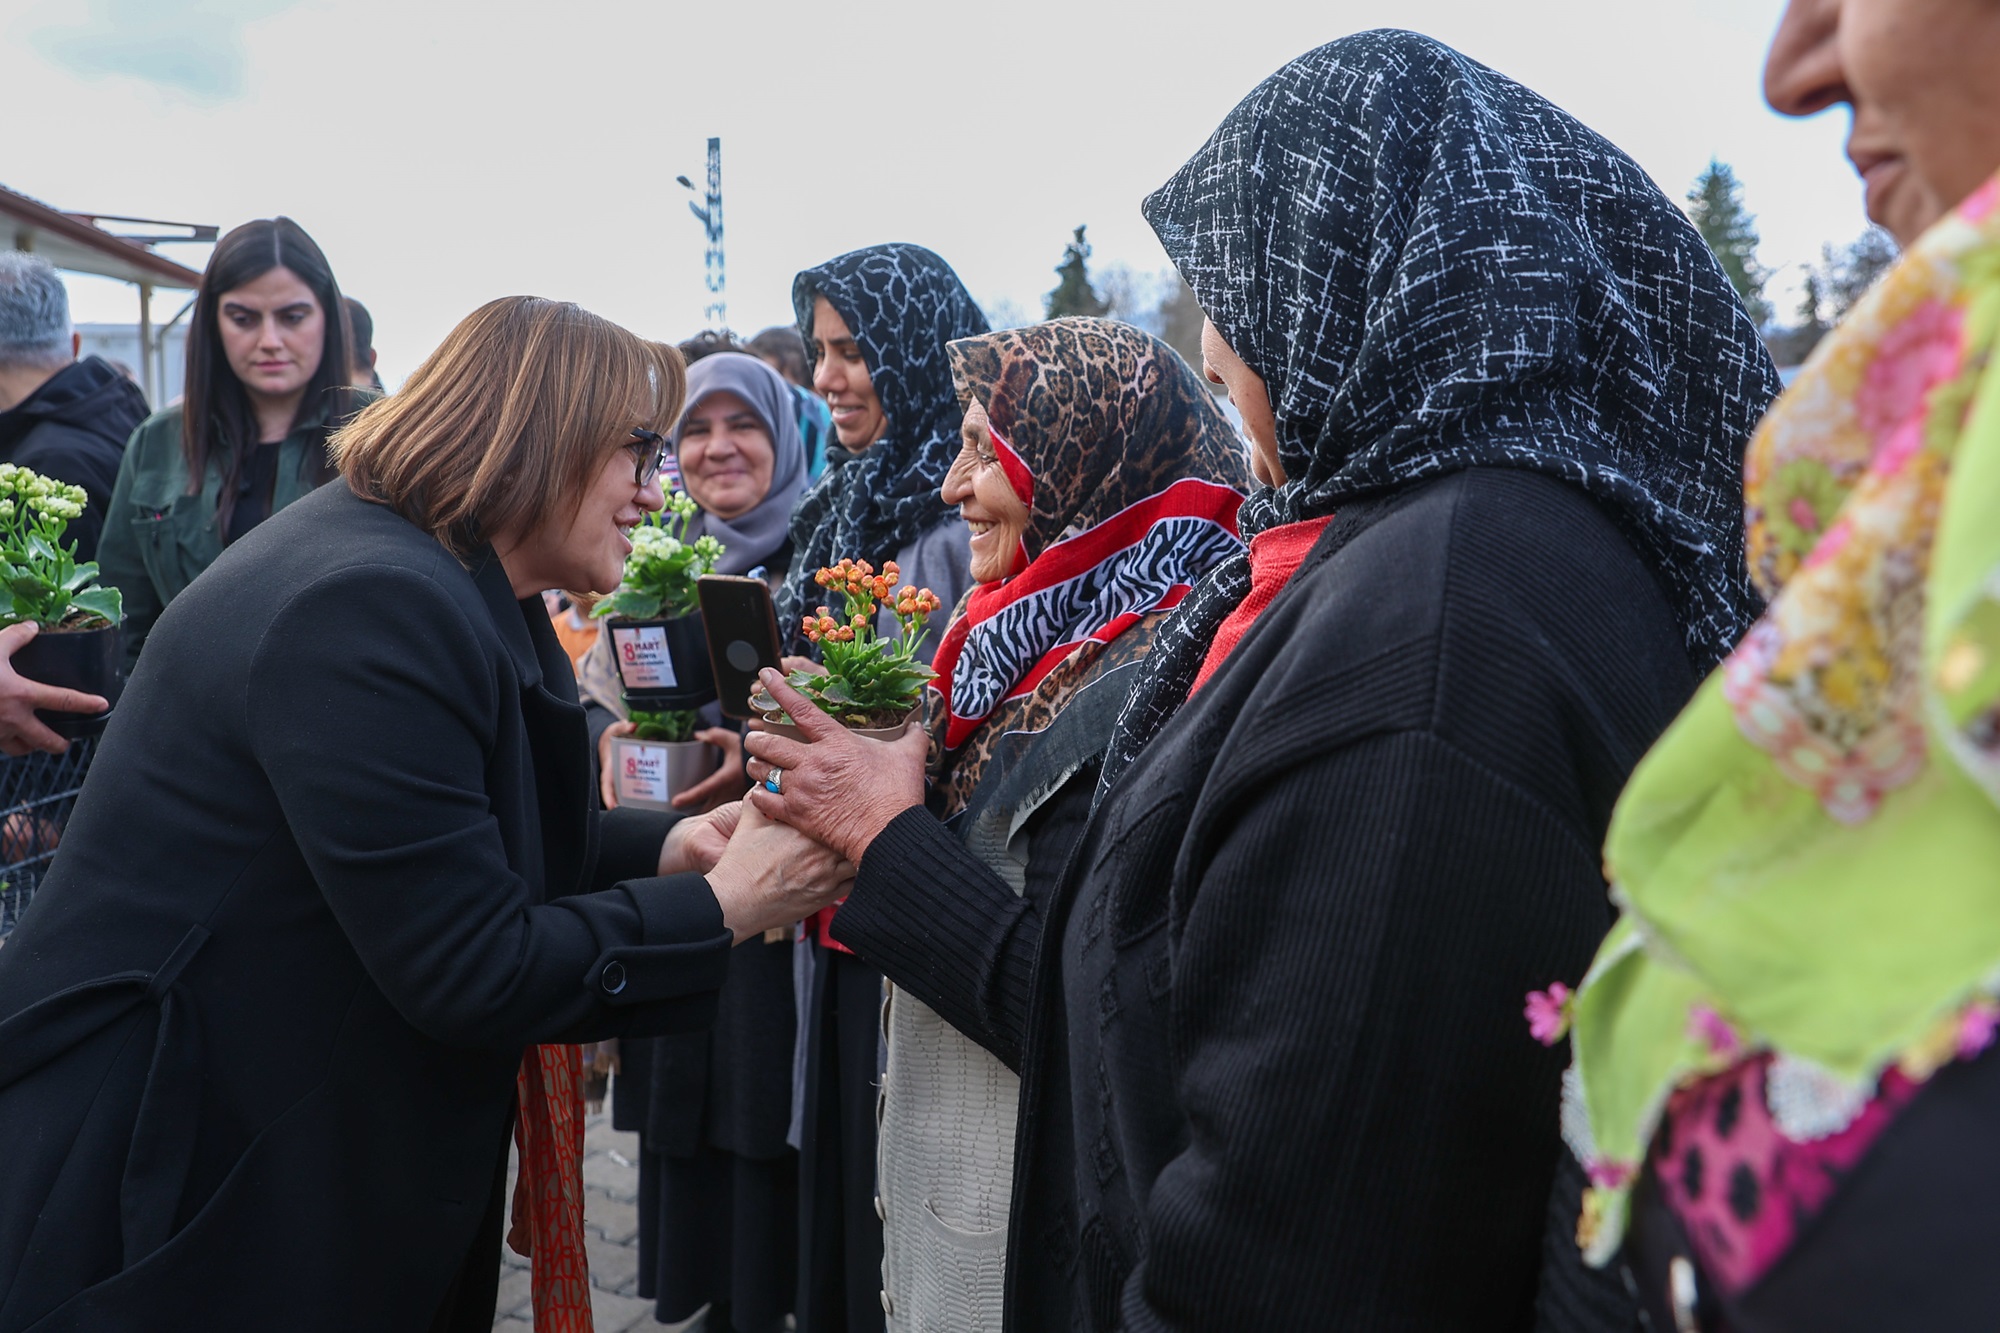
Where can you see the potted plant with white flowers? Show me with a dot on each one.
(79, 645)
(656, 633)
(869, 684)
(662, 655)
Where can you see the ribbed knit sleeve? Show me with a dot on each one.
(1574, 1297)
(1371, 1132)
(945, 928)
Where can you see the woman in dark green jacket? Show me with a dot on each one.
(266, 385)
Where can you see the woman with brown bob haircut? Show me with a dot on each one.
(336, 871)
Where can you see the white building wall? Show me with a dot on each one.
(119, 343)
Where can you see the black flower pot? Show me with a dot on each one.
(90, 660)
(663, 664)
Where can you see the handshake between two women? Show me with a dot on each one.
(792, 846)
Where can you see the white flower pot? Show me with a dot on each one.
(649, 774)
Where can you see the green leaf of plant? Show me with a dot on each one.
(82, 574)
(673, 725)
(106, 602)
(628, 604)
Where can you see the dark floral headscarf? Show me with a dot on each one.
(902, 304)
(1433, 268)
(1132, 477)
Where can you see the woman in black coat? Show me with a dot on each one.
(336, 866)
(1268, 1024)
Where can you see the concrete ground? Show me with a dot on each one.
(611, 1238)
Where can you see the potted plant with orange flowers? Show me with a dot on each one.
(662, 656)
(870, 684)
(79, 645)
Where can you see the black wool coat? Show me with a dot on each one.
(74, 428)
(1274, 1073)
(335, 866)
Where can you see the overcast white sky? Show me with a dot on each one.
(447, 153)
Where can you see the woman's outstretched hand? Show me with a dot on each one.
(725, 783)
(20, 730)
(839, 788)
(607, 778)
(697, 843)
(773, 875)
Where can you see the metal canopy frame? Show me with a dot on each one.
(75, 242)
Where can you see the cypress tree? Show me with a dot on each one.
(1073, 294)
(1716, 207)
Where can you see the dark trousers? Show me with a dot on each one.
(723, 1232)
(840, 1237)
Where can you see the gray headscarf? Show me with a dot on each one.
(751, 539)
(748, 540)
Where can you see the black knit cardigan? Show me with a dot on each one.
(1268, 1022)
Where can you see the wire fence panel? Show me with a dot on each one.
(36, 794)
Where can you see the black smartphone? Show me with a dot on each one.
(742, 630)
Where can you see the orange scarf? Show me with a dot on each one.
(548, 1194)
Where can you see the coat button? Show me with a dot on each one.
(888, 1306)
(881, 1212)
(612, 978)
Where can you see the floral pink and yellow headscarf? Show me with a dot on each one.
(1807, 859)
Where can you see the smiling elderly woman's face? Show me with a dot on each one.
(1921, 78)
(726, 455)
(993, 511)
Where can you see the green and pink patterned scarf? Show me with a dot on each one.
(1807, 859)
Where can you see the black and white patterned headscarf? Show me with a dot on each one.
(1433, 268)
(902, 304)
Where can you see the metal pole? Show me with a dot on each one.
(146, 341)
(718, 304)
(159, 348)
(709, 215)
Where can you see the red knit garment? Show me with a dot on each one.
(820, 924)
(1275, 555)
(548, 1194)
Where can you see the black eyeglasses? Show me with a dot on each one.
(649, 452)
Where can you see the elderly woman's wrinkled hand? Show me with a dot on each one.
(773, 875)
(840, 788)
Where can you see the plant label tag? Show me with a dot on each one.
(643, 660)
(642, 774)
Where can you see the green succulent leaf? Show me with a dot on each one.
(106, 602)
(672, 725)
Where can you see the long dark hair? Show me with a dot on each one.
(217, 422)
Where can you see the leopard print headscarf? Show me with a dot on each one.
(1132, 477)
